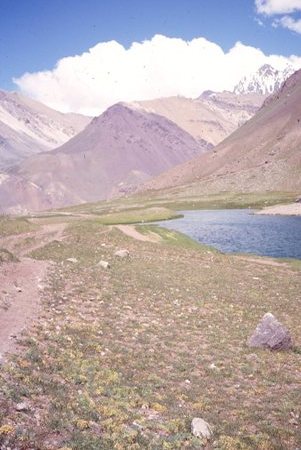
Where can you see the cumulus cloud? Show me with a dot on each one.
(160, 67)
(284, 8)
(272, 7)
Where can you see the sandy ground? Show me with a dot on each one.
(131, 231)
(21, 284)
(292, 209)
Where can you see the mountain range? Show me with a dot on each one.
(118, 150)
(264, 154)
(211, 117)
(159, 144)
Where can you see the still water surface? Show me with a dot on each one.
(242, 231)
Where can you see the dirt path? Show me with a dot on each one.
(21, 283)
(21, 244)
(131, 231)
(264, 261)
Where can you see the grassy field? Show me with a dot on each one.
(177, 199)
(138, 215)
(124, 358)
(11, 226)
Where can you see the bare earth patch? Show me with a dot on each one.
(292, 209)
(264, 261)
(131, 231)
(20, 286)
(21, 283)
(24, 243)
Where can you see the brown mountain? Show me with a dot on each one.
(28, 127)
(211, 117)
(264, 154)
(120, 149)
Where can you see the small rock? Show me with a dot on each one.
(212, 366)
(200, 428)
(122, 253)
(23, 406)
(138, 426)
(104, 264)
(72, 260)
(18, 289)
(252, 357)
(270, 334)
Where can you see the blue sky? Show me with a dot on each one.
(35, 34)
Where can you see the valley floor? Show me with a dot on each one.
(126, 357)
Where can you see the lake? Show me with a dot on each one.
(242, 231)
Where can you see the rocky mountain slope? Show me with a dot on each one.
(264, 154)
(265, 81)
(28, 127)
(116, 151)
(211, 117)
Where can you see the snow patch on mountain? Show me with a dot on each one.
(265, 81)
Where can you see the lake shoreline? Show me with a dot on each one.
(241, 231)
(290, 209)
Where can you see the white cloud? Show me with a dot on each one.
(284, 8)
(259, 21)
(159, 67)
(290, 23)
(272, 7)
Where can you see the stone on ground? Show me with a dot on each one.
(104, 264)
(270, 334)
(200, 428)
(23, 406)
(122, 253)
(72, 260)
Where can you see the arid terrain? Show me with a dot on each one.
(262, 155)
(118, 150)
(211, 117)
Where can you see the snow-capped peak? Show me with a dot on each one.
(265, 81)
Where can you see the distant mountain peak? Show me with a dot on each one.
(28, 127)
(265, 81)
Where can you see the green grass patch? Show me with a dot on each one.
(227, 200)
(7, 256)
(11, 225)
(177, 199)
(138, 216)
(176, 238)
